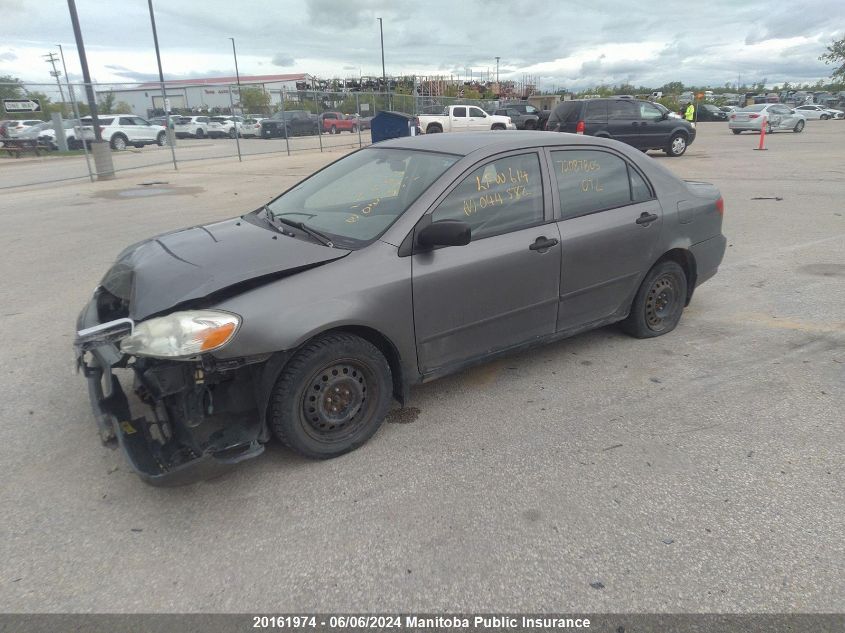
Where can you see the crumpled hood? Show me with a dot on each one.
(164, 271)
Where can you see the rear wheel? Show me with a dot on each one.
(659, 302)
(200, 133)
(354, 129)
(769, 128)
(677, 145)
(799, 127)
(737, 131)
(161, 139)
(331, 397)
(824, 117)
(232, 133)
(118, 142)
(433, 129)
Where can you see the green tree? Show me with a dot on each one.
(121, 107)
(10, 87)
(255, 100)
(105, 103)
(836, 55)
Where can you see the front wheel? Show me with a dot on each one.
(677, 145)
(659, 302)
(769, 128)
(200, 133)
(498, 127)
(232, 133)
(824, 117)
(331, 397)
(354, 129)
(799, 127)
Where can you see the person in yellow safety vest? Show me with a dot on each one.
(689, 114)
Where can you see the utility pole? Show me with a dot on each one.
(497, 69)
(75, 107)
(383, 74)
(102, 154)
(171, 137)
(52, 59)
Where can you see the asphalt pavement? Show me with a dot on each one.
(701, 471)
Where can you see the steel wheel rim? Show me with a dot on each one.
(119, 143)
(661, 302)
(337, 399)
(678, 144)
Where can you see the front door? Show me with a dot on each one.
(610, 225)
(654, 129)
(501, 289)
(478, 119)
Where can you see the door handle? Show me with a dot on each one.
(646, 218)
(542, 244)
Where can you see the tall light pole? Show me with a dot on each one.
(497, 69)
(75, 107)
(237, 74)
(166, 102)
(383, 74)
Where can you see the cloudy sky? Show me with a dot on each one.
(563, 43)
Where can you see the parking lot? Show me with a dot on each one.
(697, 472)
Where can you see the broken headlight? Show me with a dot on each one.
(182, 334)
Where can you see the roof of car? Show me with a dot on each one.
(466, 143)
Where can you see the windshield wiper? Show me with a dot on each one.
(317, 235)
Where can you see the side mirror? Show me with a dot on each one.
(445, 233)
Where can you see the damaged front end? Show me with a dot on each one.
(192, 418)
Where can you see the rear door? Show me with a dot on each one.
(501, 289)
(623, 121)
(459, 119)
(610, 223)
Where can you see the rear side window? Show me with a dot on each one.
(459, 112)
(568, 111)
(622, 109)
(503, 195)
(596, 111)
(125, 120)
(590, 180)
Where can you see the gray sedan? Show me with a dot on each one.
(397, 264)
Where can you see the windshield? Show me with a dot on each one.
(356, 199)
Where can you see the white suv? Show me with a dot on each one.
(196, 126)
(122, 130)
(224, 125)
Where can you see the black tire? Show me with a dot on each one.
(799, 127)
(769, 128)
(118, 142)
(498, 127)
(433, 129)
(333, 130)
(354, 129)
(232, 133)
(659, 302)
(677, 145)
(200, 133)
(161, 139)
(737, 131)
(301, 411)
(824, 117)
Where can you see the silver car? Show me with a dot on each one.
(777, 116)
(398, 264)
(811, 111)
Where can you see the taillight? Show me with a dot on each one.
(720, 205)
(579, 129)
(753, 116)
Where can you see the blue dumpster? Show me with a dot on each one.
(387, 124)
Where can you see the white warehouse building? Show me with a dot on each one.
(201, 95)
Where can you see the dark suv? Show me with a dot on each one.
(638, 123)
(523, 115)
(290, 123)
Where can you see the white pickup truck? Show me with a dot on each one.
(463, 118)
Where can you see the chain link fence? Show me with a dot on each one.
(206, 121)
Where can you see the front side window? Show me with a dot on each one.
(649, 112)
(531, 110)
(591, 180)
(503, 195)
(357, 198)
(477, 112)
